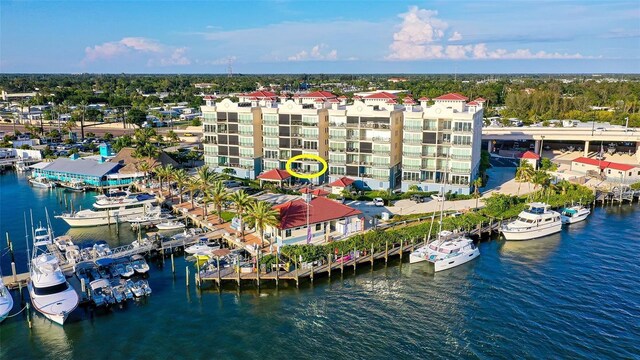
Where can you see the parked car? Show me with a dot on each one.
(437, 197)
(418, 198)
(232, 183)
(378, 202)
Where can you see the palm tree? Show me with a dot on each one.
(170, 176)
(163, 172)
(144, 167)
(260, 215)
(525, 173)
(206, 178)
(181, 177)
(217, 194)
(241, 202)
(477, 183)
(193, 185)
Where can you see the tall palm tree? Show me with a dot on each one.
(163, 173)
(144, 167)
(181, 178)
(477, 183)
(171, 175)
(525, 173)
(260, 215)
(217, 194)
(206, 178)
(193, 185)
(241, 201)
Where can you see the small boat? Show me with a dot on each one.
(6, 301)
(201, 247)
(144, 285)
(101, 249)
(74, 185)
(99, 294)
(170, 225)
(135, 288)
(139, 265)
(574, 214)
(125, 270)
(63, 242)
(41, 182)
(118, 293)
(128, 294)
(535, 222)
(72, 254)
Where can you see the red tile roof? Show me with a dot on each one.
(334, 101)
(342, 182)
(209, 97)
(424, 98)
(315, 192)
(391, 101)
(480, 100)
(473, 103)
(261, 94)
(530, 155)
(274, 174)
(381, 95)
(618, 166)
(319, 100)
(589, 161)
(294, 213)
(408, 101)
(319, 94)
(452, 96)
(342, 97)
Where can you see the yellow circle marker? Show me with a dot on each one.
(309, 157)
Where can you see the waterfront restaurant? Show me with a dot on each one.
(328, 220)
(91, 172)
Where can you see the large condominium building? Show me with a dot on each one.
(365, 141)
(233, 135)
(441, 141)
(296, 127)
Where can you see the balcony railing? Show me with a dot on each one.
(459, 144)
(412, 128)
(461, 157)
(337, 137)
(380, 165)
(411, 154)
(245, 121)
(375, 126)
(310, 136)
(340, 150)
(335, 124)
(271, 146)
(306, 123)
(353, 136)
(428, 154)
(412, 141)
(412, 166)
(270, 122)
(352, 150)
(460, 171)
(296, 146)
(337, 161)
(353, 125)
(245, 132)
(271, 134)
(353, 161)
(381, 139)
(381, 152)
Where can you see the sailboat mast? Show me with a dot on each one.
(444, 197)
(33, 232)
(26, 240)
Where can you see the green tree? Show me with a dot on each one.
(136, 117)
(163, 172)
(173, 137)
(217, 195)
(181, 178)
(122, 142)
(107, 137)
(477, 183)
(241, 201)
(260, 215)
(206, 177)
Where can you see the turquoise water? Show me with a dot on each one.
(571, 295)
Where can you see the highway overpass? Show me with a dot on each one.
(570, 134)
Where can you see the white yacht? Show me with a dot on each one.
(63, 242)
(6, 301)
(108, 211)
(73, 185)
(49, 290)
(446, 254)
(534, 222)
(574, 214)
(139, 265)
(41, 182)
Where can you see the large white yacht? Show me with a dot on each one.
(6, 301)
(534, 222)
(111, 210)
(49, 290)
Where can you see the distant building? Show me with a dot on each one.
(341, 184)
(530, 157)
(91, 172)
(614, 172)
(328, 220)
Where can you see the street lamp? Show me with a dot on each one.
(626, 125)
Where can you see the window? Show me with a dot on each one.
(287, 233)
(318, 227)
(51, 289)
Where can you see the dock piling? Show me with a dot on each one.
(29, 315)
(372, 255)
(83, 286)
(401, 248)
(342, 264)
(386, 251)
(173, 266)
(329, 271)
(355, 259)
(13, 271)
(187, 275)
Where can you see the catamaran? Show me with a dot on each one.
(574, 214)
(111, 210)
(49, 290)
(534, 222)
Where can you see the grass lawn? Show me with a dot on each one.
(227, 215)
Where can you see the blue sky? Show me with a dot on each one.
(320, 36)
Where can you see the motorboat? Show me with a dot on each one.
(73, 185)
(128, 294)
(574, 214)
(62, 242)
(148, 219)
(109, 211)
(49, 290)
(201, 247)
(170, 225)
(101, 248)
(72, 254)
(118, 293)
(135, 288)
(101, 293)
(6, 301)
(41, 182)
(125, 270)
(534, 222)
(144, 285)
(139, 265)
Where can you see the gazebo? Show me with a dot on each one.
(275, 175)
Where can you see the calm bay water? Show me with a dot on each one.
(571, 295)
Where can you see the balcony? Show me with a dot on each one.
(461, 157)
(352, 150)
(380, 165)
(249, 167)
(412, 166)
(428, 154)
(381, 152)
(245, 121)
(460, 171)
(335, 124)
(411, 154)
(412, 141)
(366, 163)
(340, 150)
(370, 125)
(337, 161)
(312, 124)
(271, 134)
(353, 136)
(459, 144)
(245, 132)
(310, 136)
(271, 146)
(381, 139)
(413, 128)
(337, 137)
(270, 122)
(296, 146)
(353, 162)
(353, 125)
(296, 123)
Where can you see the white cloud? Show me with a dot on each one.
(420, 36)
(317, 52)
(156, 53)
(456, 36)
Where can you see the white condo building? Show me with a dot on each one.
(442, 141)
